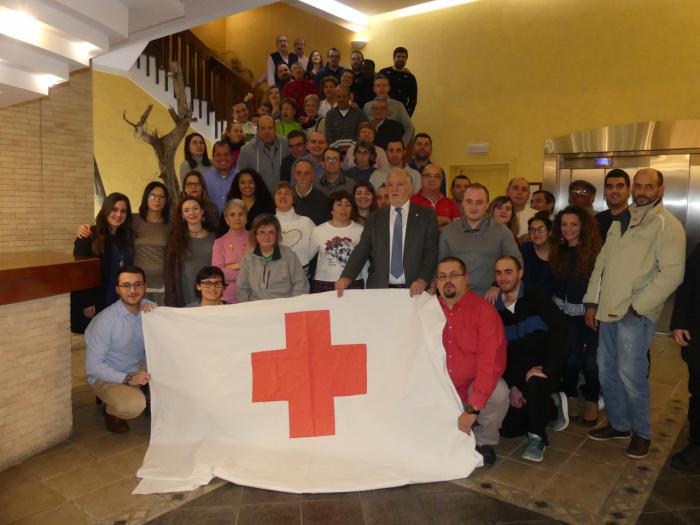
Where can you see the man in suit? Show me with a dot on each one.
(399, 241)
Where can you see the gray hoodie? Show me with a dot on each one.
(265, 160)
(283, 276)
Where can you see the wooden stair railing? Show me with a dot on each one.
(208, 78)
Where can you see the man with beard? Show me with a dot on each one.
(640, 265)
(475, 343)
(116, 354)
(617, 195)
(422, 149)
(220, 176)
(404, 87)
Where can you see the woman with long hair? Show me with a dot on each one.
(273, 96)
(502, 211)
(193, 185)
(334, 241)
(196, 156)
(111, 240)
(365, 199)
(270, 270)
(315, 64)
(188, 250)
(249, 187)
(536, 252)
(575, 244)
(228, 249)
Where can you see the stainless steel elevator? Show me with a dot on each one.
(672, 147)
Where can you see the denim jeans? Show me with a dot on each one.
(623, 368)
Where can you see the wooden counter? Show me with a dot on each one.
(33, 275)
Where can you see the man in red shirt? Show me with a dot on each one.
(475, 343)
(429, 195)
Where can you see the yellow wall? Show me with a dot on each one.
(514, 73)
(126, 163)
(251, 35)
(213, 35)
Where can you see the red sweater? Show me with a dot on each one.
(298, 89)
(475, 343)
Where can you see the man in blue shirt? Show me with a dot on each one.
(219, 178)
(116, 354)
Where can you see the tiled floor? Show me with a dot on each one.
(89, 479)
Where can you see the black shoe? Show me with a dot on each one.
(608, 432)
(488, 453)
(687, 459)
(638, 447)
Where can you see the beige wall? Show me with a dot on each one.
(213, 35)
(514, 73)
(47, 166)
(251, 35)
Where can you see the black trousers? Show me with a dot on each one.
(583, 351)
(691, 355)
(538, 411)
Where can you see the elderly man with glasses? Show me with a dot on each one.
(116, 355)
(475, 343)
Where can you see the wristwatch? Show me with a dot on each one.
(127, 379)
(471, 410)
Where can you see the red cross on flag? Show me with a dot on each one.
(310, 394)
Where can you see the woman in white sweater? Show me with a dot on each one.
(296, 229)
(334, 241)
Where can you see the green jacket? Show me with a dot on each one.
(640, 268)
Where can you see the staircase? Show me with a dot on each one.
(211, 86)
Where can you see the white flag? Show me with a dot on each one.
(311, 394)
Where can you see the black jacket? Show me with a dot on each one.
(686, 308)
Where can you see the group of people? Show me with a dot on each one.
(533, 299)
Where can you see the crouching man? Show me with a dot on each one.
(475, 343)
(116, 355)
(536, 331)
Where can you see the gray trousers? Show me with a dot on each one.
(491, 416)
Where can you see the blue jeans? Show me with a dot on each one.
(623, 367)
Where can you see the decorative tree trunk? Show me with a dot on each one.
(166, 146)
(100, 193)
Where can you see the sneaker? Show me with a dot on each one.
(590, 413)
(562, 420)
(534, 450)
(488, 453)
(572, 403)
(638, 447)
(608, 432)
(687, 459)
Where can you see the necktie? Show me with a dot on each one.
(397, 246)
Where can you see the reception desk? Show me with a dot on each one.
(35, 359)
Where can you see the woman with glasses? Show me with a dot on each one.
(228, 249)
(111, 240)
(150, 227)
(269, 270)
(196, 156)
(536, 252)
(334, 241)
(189, 249)
(575, 244)
(194, 185)
(209, 287)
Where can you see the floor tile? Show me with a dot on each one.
(25, 498)
(660, 518)
(507, 445)
(227, 496)
(553, 459)
(454, 508)
(330, 495)
(677, 493)
(576, 493)
(528, 478)
(102, 444)
(82, 480)
(252, 495)
(593, 471)
(399, 508)
(198, 516)
(127, 462)
(565, 441)
(113, 498)
(57, 460)
(605, 452)
(270, 514)
(65, 514)
(332, 512)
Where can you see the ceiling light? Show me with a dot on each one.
(419, 9)
(358, 19)
(19, 25)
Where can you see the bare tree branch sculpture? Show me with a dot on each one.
(100, 193)
(166, 146)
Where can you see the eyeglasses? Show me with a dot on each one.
(156, 197)
(209, 284)
(448, 276)
(136, 285)
(333, 160)
(539, 229)
(581, 191)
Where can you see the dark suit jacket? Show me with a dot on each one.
(389, 131)
(420, 250)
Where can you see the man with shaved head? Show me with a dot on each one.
(399, 242)
(640, 265)
(343, 121)
(265, 152)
